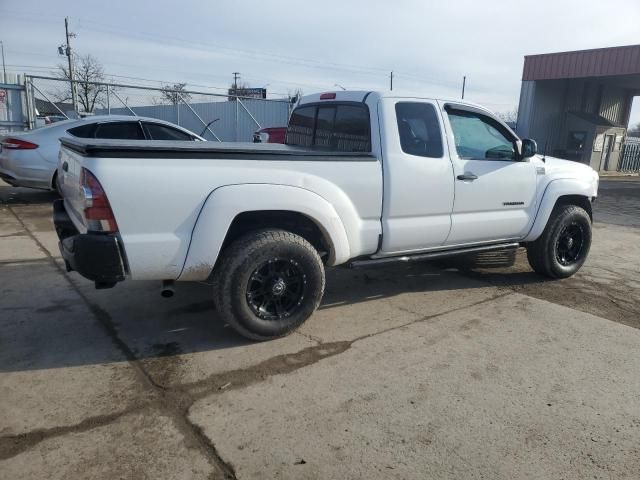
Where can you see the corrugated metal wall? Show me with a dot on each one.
(613, 105)
(583, 63)
(268, 113)
(540, 112)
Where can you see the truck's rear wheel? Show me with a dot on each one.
(563, 246)
(268, 283)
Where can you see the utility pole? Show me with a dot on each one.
(4, 69)
(391, 81)
(68, 53)
(464, 81)
(236, 75)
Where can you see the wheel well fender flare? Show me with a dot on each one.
(225, 203)
(567, 191)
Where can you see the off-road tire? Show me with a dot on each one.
(240, 261)
(543, 253)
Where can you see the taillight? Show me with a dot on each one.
(328, 96)
(97, 210)
(18, 144)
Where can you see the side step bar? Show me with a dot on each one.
(432, 255)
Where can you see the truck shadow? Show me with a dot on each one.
(59, 328)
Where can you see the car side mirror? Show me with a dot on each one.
(529, 148)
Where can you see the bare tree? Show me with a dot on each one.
(510, 116)
(634, 131)
(174, 94)
(86, 71)
(295, 95)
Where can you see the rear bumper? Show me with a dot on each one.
(95, 256)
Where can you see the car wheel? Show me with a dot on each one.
(564, 245)
(268, 283)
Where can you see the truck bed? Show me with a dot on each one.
(168, 196)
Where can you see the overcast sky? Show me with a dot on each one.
(288, 44)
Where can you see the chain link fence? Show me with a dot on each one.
(214, 116)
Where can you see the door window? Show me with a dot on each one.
(120, 131)
(157, 131)
(479, 137)
(419, 129)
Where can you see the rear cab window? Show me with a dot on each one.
(333, 127)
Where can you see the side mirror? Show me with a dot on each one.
(529, 148)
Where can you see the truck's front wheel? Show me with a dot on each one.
(268, 283)
(563, 246)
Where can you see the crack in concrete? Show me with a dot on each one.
(278, 365)
(24, 261)
(18, 234)
(12, 445)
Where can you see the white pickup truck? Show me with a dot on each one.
(365, 178)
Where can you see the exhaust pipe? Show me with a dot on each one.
(167, 290)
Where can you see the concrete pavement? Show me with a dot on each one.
(428, 371)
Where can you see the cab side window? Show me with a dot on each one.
(419, 129)
(479, 137)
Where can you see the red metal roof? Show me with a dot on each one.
(583, 63)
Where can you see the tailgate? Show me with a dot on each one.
(69, 168)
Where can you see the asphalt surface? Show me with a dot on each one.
(468, 369)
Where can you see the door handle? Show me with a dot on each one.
(65, 167)
(467, 176)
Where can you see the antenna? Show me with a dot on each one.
(546, 143)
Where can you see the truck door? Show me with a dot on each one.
(495, 192)
(418, 176)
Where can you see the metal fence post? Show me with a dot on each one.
(108, 102)
(236, 134)
(28, 90)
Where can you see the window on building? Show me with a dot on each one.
(576, 141)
